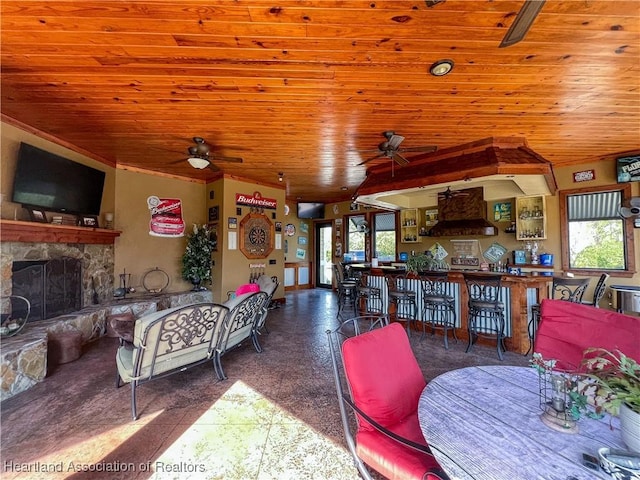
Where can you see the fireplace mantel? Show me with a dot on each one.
(33, 232)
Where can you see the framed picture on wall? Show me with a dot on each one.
(213, 213)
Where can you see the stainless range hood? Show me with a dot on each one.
(462, 213)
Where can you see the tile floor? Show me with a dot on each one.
(275, 417)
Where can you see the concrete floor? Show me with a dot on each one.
(275, 417)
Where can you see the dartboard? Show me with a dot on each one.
(256, 236)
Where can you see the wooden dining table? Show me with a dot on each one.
(483, 423)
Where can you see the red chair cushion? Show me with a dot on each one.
(383, 374)
(393, 460)
(247, 288)
(567, 329)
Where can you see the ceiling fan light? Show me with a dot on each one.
(441, 68)
(197, 162)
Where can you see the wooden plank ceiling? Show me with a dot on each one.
(307, 87)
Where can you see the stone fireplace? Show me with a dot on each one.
(78, 275)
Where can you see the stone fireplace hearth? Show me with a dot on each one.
(96, 265)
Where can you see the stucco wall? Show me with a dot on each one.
(136, 250)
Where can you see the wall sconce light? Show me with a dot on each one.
(280, 176)
(441, 68)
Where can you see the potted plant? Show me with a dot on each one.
(424, 262)
(196, 260)
(617, 378)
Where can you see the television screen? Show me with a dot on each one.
(310, 210)
(55, 183)
(628, 169)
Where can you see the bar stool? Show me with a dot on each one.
(438, 308)
(564, 288)
(486, 309)
(347, 290)
(403, 298)
(369, 295)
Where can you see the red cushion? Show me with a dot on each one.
(384, 376)
(567, 329)
(392, 459)
(247, 288)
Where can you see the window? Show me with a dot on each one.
(356, 227)
(384, 236)
(595, 237)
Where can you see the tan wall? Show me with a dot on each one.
(136, 250)
(11, 137)
(231, 267)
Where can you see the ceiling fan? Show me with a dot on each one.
(633, 210)
(200, 156)
(448, 194)
(520, 26)
(390, 148)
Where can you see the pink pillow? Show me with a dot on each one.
(384, 375)
(247, 288)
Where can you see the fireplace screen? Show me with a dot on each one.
(53, 287)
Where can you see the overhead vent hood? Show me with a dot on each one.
(505, 167)
(462, 213)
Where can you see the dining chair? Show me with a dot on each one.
(438, 306)
(486, 309)
(563, 288)
(378, 383)
(402, 297)
(369, 296)
(347, 289)
(598, 292)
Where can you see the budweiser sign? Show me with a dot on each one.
(256, 200)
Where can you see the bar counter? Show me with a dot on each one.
(519, 293)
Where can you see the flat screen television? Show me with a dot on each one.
(310, 210)
(628, 169)
(55, 183)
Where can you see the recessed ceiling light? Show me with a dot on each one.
(344, 188)
(441, 68)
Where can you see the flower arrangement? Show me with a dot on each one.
(578, 404)
(196, 260)
(616, 378)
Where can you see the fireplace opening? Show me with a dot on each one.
(53, 287)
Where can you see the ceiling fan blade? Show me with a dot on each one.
(399, 159)
(213, 167)
(372, 158)
(426, 148)
(395, 141)
(521, 25)
(220, 158)
(625, 212)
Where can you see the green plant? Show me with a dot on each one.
(423, 262)
(578, 404)
(616, 377)
(196, 260)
